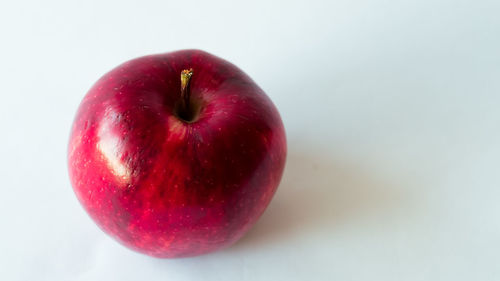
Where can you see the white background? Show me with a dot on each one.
(392, 115)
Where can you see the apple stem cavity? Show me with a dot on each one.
(185, 112)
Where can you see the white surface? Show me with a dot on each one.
(392, 114)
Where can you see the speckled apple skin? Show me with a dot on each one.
(165, 187)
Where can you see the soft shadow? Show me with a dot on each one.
(321, 193)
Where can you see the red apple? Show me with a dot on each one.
(175, 168)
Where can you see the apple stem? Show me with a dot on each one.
(185, 91)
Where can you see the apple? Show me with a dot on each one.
(176, 154)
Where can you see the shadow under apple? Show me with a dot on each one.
(320, 193)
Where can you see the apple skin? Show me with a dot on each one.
(166, 187)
